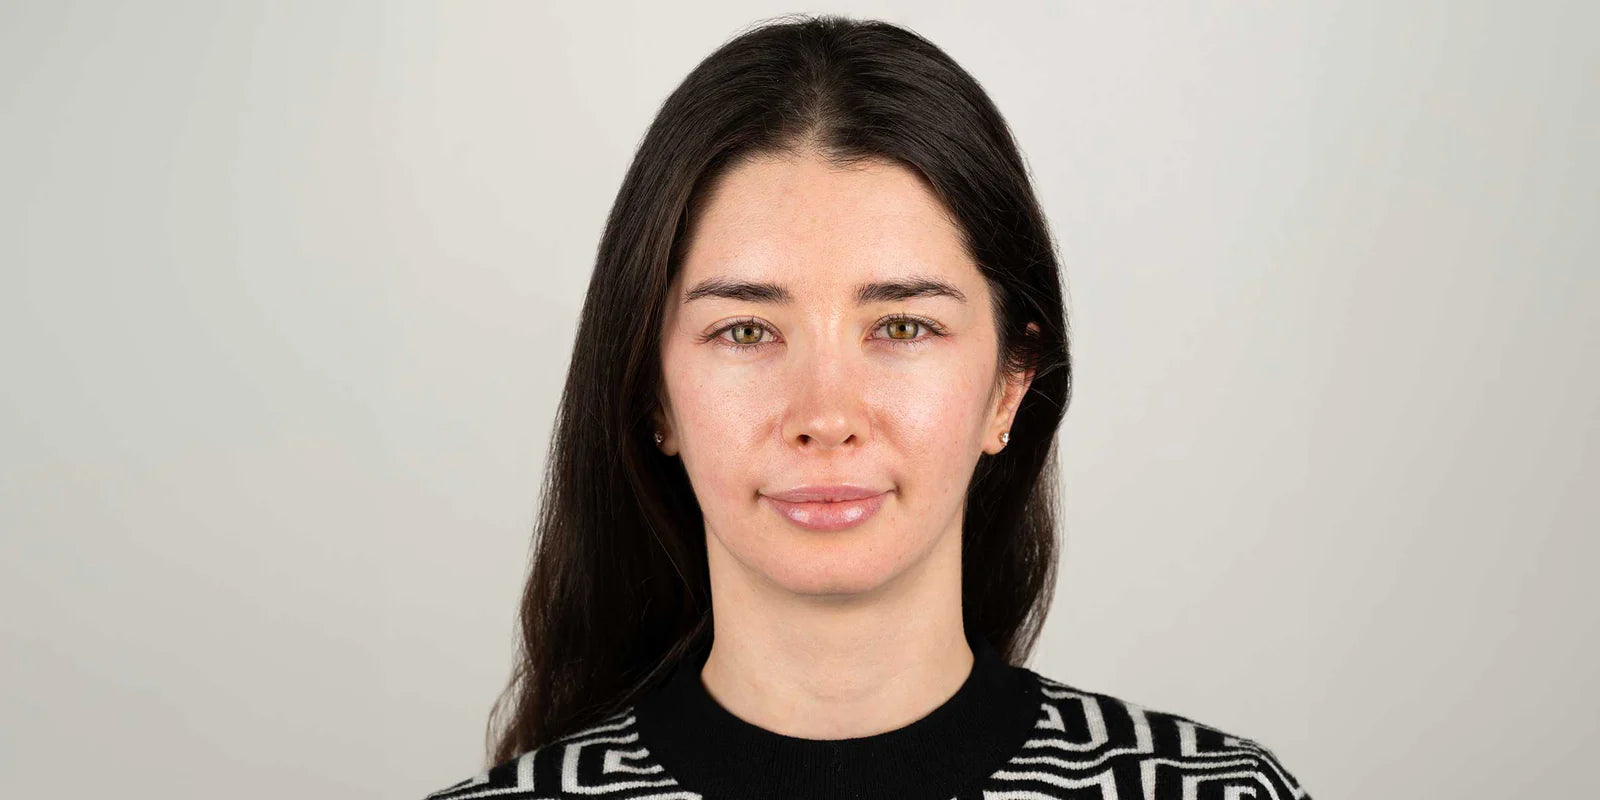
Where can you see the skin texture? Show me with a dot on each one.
(828, 635)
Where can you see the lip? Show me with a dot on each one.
(831, 493)
(827, 508)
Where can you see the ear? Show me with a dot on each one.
(1005, 411)
(660, 419)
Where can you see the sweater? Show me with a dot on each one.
(1008, 733)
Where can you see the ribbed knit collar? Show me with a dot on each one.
(711, 751)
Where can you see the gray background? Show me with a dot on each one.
(288, 292)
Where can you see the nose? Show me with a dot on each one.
(827, 400)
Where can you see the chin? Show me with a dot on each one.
(831, 571)
(827, 585)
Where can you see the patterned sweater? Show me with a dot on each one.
(1008, 733)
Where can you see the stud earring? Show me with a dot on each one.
(1005, 438)
(658, 437)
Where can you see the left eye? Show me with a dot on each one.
(903, 325)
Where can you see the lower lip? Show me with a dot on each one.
(829, 516)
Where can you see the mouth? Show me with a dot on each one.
(827, 508)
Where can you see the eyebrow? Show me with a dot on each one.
(873, 292)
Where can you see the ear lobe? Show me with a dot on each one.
(661, 423)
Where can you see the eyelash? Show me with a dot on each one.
(933, 328)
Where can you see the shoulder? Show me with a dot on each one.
(604, 759)
(1085, 737)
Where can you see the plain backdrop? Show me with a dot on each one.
(288, 294)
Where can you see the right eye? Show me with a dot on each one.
(744, 334)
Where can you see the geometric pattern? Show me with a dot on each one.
(604, 760)
(1089, 745)
(1084, 745)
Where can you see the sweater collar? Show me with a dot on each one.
(709, 750)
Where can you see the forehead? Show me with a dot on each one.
(809, 221)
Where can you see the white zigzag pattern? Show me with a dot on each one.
(1054, 759)
(617, 729)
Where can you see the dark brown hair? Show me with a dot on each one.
(618, 588)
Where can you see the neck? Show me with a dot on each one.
(837, 666)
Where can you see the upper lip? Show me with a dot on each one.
(824, 494)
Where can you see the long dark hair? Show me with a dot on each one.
(618, 588)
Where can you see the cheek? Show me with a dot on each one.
(931, 416)
(721, 411)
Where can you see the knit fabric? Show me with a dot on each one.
(1008, 733)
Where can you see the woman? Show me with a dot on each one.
(799, 520)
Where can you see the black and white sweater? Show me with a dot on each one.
(1008, 733)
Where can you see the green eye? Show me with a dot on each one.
(746, 334)
(907, 326)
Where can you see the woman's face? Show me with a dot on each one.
(800, 378)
